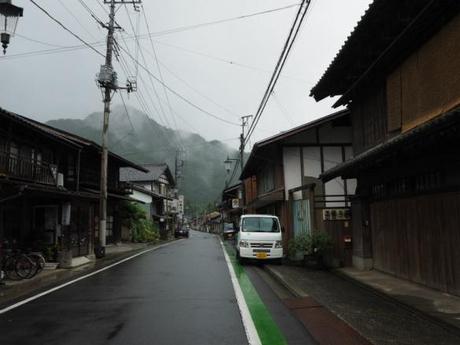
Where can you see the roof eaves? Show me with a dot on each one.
(436, 124)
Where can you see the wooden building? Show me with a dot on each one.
(49, 188)
(282, 178)
(231, 206)
(154, 187)
(398, 73)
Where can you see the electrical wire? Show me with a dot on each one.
(220, 21)
(179, 95)
(160, 73)
(66, 29)
(303, 9)
(198, 91)
(40, 42)
(76, 19)
(91, 12)
(140, 50)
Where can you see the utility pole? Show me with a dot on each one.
(107, 80)
(244, 123)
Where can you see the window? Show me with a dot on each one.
(260, 224)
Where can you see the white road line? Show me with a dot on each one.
(248, 323)
(30, 299)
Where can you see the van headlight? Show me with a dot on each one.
(278, 244)
(244, 244)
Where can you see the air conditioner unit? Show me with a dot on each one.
(60, 180)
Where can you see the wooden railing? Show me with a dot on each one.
(26, 169)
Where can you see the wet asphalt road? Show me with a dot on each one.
(179, 294)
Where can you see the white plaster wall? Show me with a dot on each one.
(312, 161)
(292, 170)
(142, 197)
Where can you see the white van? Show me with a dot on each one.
(259, 237)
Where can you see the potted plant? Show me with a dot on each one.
(320, 243)
(299, 246)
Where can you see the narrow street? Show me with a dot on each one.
(178, 294)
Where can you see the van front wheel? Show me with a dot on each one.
(239, 258)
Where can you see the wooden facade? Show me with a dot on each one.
(49, 187)
(406, 126)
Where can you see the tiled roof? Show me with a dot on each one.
(63, 136)
(154, 171)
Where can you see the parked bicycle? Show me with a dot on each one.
(20, 265)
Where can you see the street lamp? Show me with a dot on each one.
(9, 15)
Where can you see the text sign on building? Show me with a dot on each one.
(337, 214)
(235, 203)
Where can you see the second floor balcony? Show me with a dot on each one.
(15, 167)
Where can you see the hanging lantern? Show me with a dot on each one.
(9, 15)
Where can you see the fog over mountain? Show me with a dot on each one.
(142, 140)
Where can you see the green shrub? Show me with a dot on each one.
(144, 230)
(316, 243)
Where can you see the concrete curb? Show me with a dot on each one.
(438, 321)
(275, 275)
(13, 294)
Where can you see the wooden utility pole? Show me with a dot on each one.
(107, 80)
(244, 123)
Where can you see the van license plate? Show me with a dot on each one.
(261, 255)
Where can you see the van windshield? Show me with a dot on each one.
(260, 224)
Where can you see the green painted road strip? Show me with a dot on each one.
(268, 331)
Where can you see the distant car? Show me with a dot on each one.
(181, 232)
(229, 231)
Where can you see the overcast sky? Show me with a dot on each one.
(222, 68)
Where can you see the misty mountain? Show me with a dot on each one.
(142, 140)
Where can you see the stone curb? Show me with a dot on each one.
(438, 321)
(13, 294)
(282, 281)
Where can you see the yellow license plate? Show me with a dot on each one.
(261, 255)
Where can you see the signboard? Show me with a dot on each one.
(337, 214)
(235, 203)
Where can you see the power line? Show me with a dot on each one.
(220, 21)
(76, 18)
(165, 117)
(160, 73)
(40, 42)
(179, 95)
(142, 101)
(280, 64)
(196, 90)
(226, 60)
(66, 29)
(91, 12)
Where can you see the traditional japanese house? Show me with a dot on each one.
(282, 178)
(154, 187)
(232, 202)
(49, 188)
(399, 74)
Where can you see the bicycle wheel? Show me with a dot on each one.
(25, 267)
(39, 260)
(9, 268)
